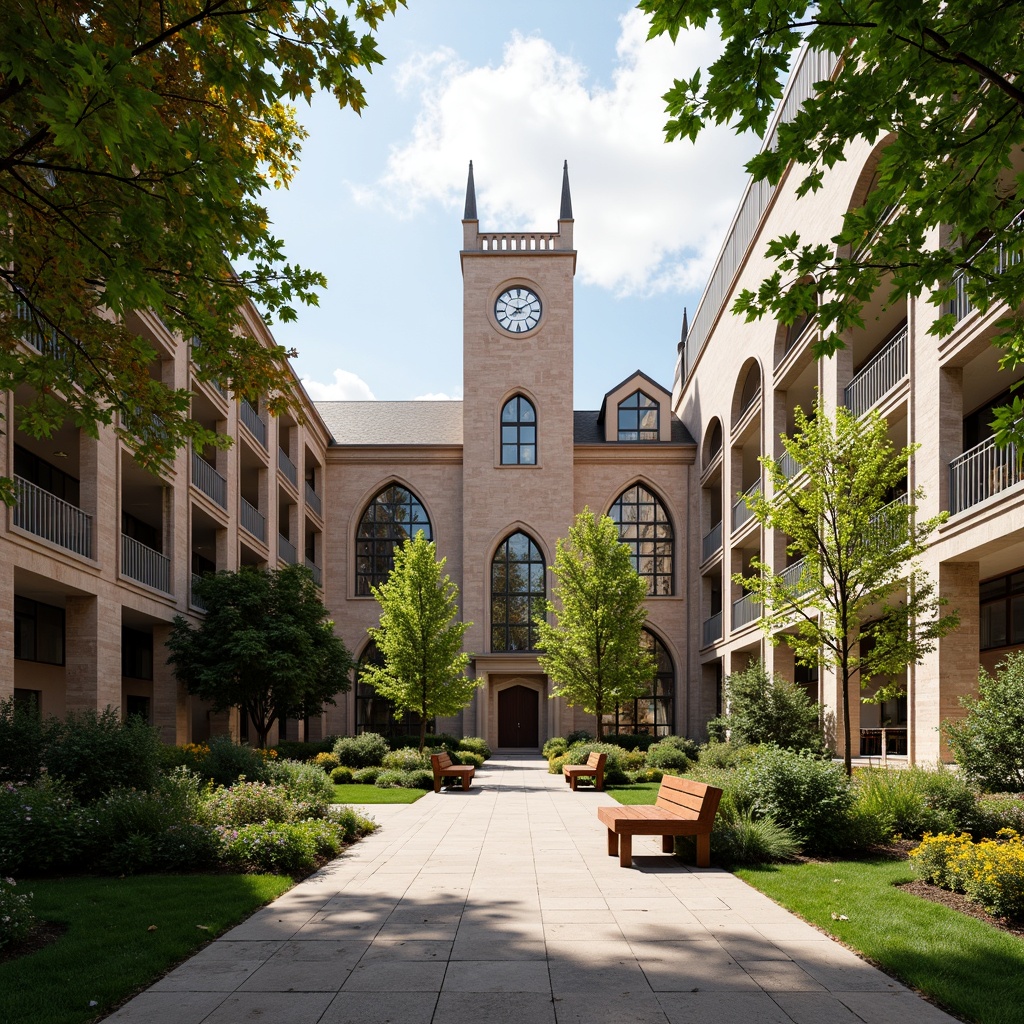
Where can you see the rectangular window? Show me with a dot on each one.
(136, 707)
(29, 700)
(136, 653)
(38, 632)
(1001, 618)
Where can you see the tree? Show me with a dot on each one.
(987, 741)
(764, 708)
(941, 82)
(135, 142)
(265, 646)
(859, 603)
(419, 637)
(593, 652)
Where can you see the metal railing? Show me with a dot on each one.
(143, 564)
(883, 742)
(287, 467)
(982, 471)
(744, 611)
(712, 629)
(252, 520)
(792, 573)
(255, 424)
(886, 529)
(740, 513)
(788, 466)
(193, 598)
(44, 514)
(209, 481)
(318, 576)
(712, 541)
(960, 305)
(47, 342)
(286, 550)
(313, 500)
(879, 376)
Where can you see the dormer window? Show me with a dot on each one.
(639, 418)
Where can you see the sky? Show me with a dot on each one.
(516, 88)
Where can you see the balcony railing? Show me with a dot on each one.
(44, 514)
(286, 550)
(712, 541)
(313, 501)
(287, 467)
(740, 513)
(885, 528)
(789, 466)
(883, 742)
(193, 598)
(744, 611)
(712, 629)
(253, 521)
(142, 563)
(209, 481)
(879, 376)
(982, 471)
(46, 341)
(792, 573)
(318, 576)
(1006, 257)
(251, 418)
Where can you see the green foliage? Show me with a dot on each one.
(16, 917)
(947, 164)
(555, 747)
(614, 766)
(352, 824)
(21, 742)
(741, 837)
(405, 760)
(228, 761)
(420, 637)
(763, 708)
(266, 646)
(366, 776)
(594, 652)
(579, 736)
(419, 778)
(361, 751)
(633, 741)
(667, 757)
(292, 848)
(996, 812)
(987, 741)
(304, 750)
(440, 741)
(248, 803)
(724, 755)
(860, 605)
(328, 762)
(135, 148)
(468, 757)
(303, 782)
(390, 778)
(477, 744)
(95, 752)
(341, 776)
(43, 829)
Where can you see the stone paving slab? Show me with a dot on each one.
(502, 905)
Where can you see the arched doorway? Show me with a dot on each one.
(518, 717)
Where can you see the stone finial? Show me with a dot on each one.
(566, 210)
(470, 213)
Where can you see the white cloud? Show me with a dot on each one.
(440, 396)
(649, 216)
(347, 386)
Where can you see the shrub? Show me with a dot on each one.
(342, 776)
(351, 823)
(21, 742)
(16, 917)
(468, 757)
(725, 755)
(579, 736)
(555, 747)
(226, 762)
(477, 744)
(304, 783)
(406, 760)
(668, 757)
(614, 771)
(996, 812)
(248, 803)
(366, 776)
(95, 752)
(390, 778)
(767, 708)
(189, 756)
(328, 762)
(419, 778)
(291, 848)
(363, 751)
(43, 829)
(691, 748)
(987, 741)
(631, 740)
(430, 741)
(304, 750)
(739, 837)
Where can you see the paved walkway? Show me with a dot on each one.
(501, 904)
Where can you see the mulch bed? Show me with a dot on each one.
(957, 901)
(44, 934)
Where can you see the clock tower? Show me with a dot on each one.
(517, 450)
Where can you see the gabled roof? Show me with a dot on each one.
(633, 376)
(393, 423)
(587, 428)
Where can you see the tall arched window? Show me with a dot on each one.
(639, 418)
(518, 433)
(644, 525)
(388, 520)
(652, 714)
(517, 593)
(375, 713)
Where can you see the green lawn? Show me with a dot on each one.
(635, 792)
(108, 951)
(974, 970)
(354, 794)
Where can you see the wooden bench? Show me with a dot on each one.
(593, 768)
(444, 767)
(683, 808)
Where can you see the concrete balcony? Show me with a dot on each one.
(287, 467)
(741, 514)
(712, 542)
(318, 576)
(193, 598)
(252, 520)
(209, 481)
(43, 514)
(144, 565)
(879, 375)
(744, 611)
(253, 422)
(980, 472)
(960, 305)
(313, 502)
(286, 550)
(712, 630)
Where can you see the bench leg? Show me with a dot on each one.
(626, 851)
(572, 783)
(437, 783)
(465, 782)
(668, 844)
(704, 850)
(613, 844)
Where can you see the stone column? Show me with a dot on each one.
(92, 653)
(6, 629)
(170, 700)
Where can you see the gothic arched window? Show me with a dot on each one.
(393, 515)
(518, 433)
(652, 714)
(639, 418)
(644, 525)
(517, 593)
(375, 713)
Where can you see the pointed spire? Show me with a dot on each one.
(684, 330)
(566, 211)
(470, 213)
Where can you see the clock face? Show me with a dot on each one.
(517, 310)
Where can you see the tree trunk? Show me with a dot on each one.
(423, 731)
(846, 722)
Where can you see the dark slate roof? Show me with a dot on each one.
(392, 422)
(587, 429)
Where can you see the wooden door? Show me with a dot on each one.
(518, 717)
